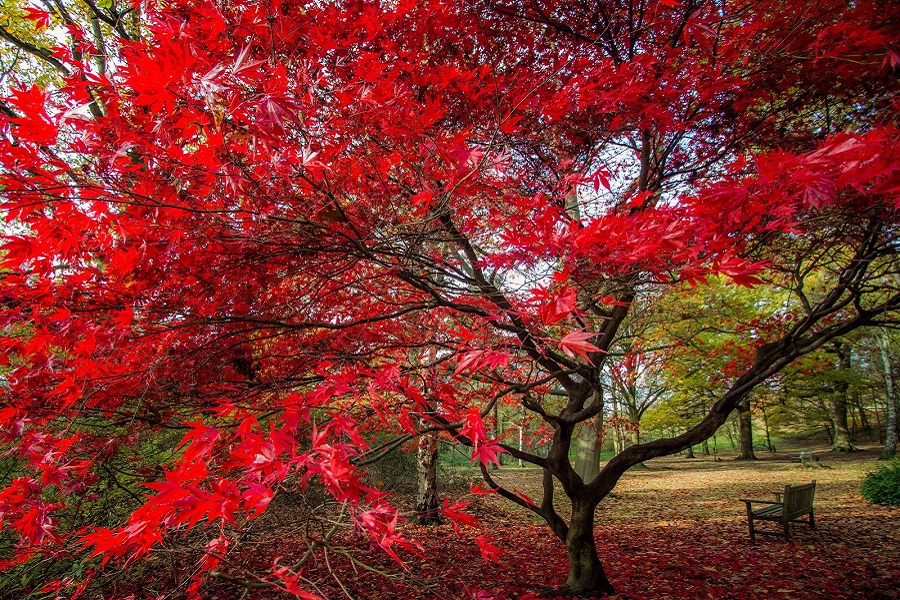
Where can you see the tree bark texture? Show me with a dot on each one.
(842, 439)
(587, 448)
(426, 492)
(745, 430)
(892, 428)
(586, 575)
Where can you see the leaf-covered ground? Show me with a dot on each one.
(673, 530)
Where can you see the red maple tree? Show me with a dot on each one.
(277, 228)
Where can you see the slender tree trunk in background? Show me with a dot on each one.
(878, 428)
(766, 425)
(745, 430)
(729, 430)
(618, 441)
(704, 447)
(522, 434)
(864, 422)
(829, 433)
(892, 428)
(498, 432)
(426, 493)
(690, 452)
(842, 441)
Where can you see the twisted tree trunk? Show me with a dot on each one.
(586, 574)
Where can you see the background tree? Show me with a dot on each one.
(891, 422)
(705, 329)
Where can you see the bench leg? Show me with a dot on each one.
(812, 520)
(750, 524)
(787, 530)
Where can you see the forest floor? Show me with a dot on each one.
(674, 529)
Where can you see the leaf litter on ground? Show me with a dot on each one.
(674, 530)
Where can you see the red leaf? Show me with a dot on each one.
(35, 125)
(478, 490)
(488, 452)
(577, 342)
(477, 359)
(524, 497)
(40, 17)
(600, 177)
(488, 551)
(559, 307)
(473, 427)
(456, 516)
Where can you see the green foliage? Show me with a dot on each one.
(395, 473)
(882, 486)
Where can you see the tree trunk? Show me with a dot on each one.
(729, 431)
(745, 429)
(586, 574)
(828, 432)
(704, 447)
(522, 434)
(892, 429)
(864, 422)
(842, 440)
(498, 433)
(426, 493)
(769, 444)
(618, 435)
(690, 452)
(588, 447)
(879, 430)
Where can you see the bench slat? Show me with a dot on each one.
(768, 511)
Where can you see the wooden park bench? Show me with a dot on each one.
(791, 504)
(804, 457)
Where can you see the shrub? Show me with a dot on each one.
(882, 486)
